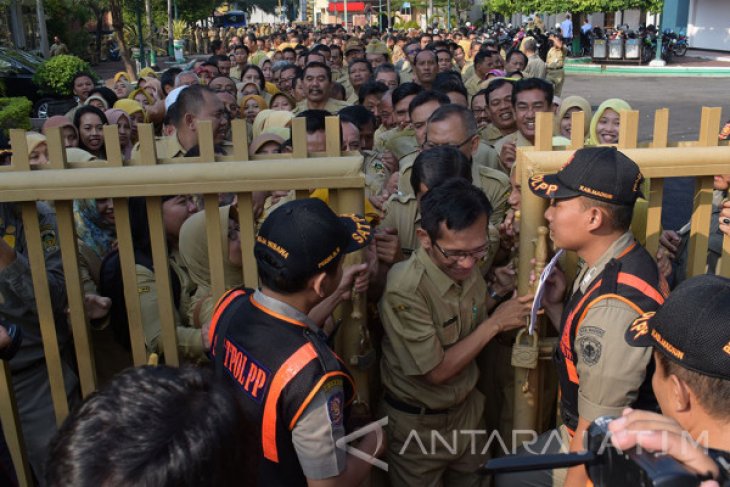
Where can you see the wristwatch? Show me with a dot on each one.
(496, 297)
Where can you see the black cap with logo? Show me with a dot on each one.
(691, 328)
(601, 173)
(304, 237)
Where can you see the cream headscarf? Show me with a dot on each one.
(271, 119)
(616, 104)
(581, 104)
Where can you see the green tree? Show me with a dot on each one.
(508, 7)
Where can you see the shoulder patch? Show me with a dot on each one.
(589, 350)
(335, 407)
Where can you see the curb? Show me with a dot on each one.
(598, 69)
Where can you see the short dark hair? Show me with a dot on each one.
(240, 46)
(313, 53)
(358, 115)
(434, 166)
(215, 45)
(415, 58)
(427, 96)
(450, 110)
(359, 60)
(712, 393)
(315, 119)
(217, 58)
(516, 52)
(168, 77)
(527, 84)
(371, 88)
(483, 54)
(619, 216)
(386, 68)
(156, 425)
(192, 99)
(321, 47)
(404, 90)
(457, 203)
(495, 85)
(285, 284)
(317, 64)
(449, 82)
(81, 74)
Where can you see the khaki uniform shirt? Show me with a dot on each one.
(468, 70)
(519, 140)
(424, 312)
(491, 135)
(381, 136)
(236, 72)
(333, 106)
(167, 147)
(353, 98)
(405, 166)
(402, 213)
(486, 156)
(536, 67)
(375, 172)
(472, 85)
(611, 372)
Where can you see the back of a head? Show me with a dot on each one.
(529, 44)
(457, 203)
(371, 88)
(155, 426)
(427, 96)
(357, 114)
(191, 100)
(404, 90)
(315, 119)
(434, 166)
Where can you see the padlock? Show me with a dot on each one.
(525, 353)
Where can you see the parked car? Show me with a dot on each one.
(17, 68)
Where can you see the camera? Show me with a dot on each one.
(16, 338)
(606, 465)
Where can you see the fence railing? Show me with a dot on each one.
(60, 182)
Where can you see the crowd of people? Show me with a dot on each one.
(438, 118)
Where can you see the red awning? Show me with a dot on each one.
(352, 7)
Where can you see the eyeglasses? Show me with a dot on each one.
(430, 145)
(459, 255)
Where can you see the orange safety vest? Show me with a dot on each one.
(632, 278)
(277, 364)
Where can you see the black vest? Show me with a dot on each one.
(632, 278)
(276, 364)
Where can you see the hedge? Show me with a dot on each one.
(54, 76)
(14, 114)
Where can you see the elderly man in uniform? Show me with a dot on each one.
(297, 393)
(377, 54)
(591, 204)
(434, 313)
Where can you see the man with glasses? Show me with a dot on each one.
(288, 74)
(434, 312)
(406, 65)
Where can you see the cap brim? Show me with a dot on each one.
(639, 333)
(359, 232)
(548, 186)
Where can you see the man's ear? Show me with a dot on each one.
(474, 145)
(190, 121)
(317, 284)
(681, 395)
(596, 218)
(423, 238)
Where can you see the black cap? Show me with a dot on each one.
(304, 237)
(691, 328)
(601, 173)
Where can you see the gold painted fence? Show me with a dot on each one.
(208, 175)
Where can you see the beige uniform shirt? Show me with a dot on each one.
(610, 371)
(536, 67)
(472, 85)
(167, 147)
(491, 135)
(424, 312)
(519, 140)
(333, 106)
(375, 172)
(402, 213)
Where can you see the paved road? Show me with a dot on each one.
(684, 97)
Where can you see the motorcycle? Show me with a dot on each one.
(678, 43)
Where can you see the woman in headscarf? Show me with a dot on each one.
(606, 121)
(136, 115)
(564, 122)
(89, 121)
(251, 105)
(97, 237)
(152, 87)
(267, 120)
(69, 133)
(264, 64)
(37, 149)
(122, 88)
(120, 118)
(248, 89)
(175, 211)
(282, 102)
(142, 97)
(194, 253)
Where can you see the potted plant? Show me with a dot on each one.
(179, 32)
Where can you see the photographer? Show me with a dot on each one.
(691, 342)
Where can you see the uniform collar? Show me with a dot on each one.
(587, 275)
(442, 281)
(284, 309)
(174, 148)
